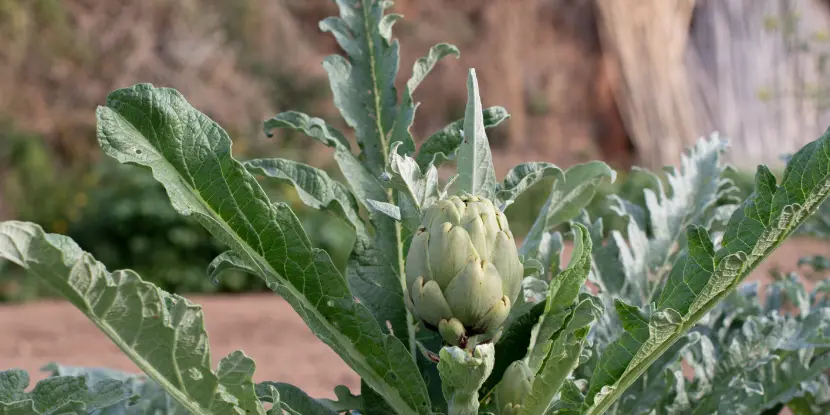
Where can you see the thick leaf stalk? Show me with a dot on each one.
(462, 374)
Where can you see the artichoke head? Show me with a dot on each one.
(513, 388)
(462, 269)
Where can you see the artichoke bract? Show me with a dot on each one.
(513, 388)
(462, 269)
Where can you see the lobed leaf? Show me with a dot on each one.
(406, 111)
(151, 397)
(363, 83)
(372, 275)
(314, 186)
(476, 174)
(567, 197)
(443, 145)
(190, 155)
(563, 356)
(60, 394)
(162, 333)
(362, 182)
(523, 177)
(291, 398)
(561, 299)
(704, 276)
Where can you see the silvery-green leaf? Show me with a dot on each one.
(419, 190)
(363, 82)
(476, 174)
(696, 189)
(462, 374)
(387, 209)
(704, 276)
(567, 197)
(406, 111)
(362, 182)
(788, 291)
(571, 400)
(522, 177)
(190, 155)
(443, 145)
(756, 359)
(371, 277)
(314, 186)
(648, 391)
(162, 333)
(152, 397)
(60, 394)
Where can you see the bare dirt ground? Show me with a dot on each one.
(262, 325)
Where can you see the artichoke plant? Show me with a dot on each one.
(463, 270)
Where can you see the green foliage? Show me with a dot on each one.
(59, 394)
(606, 333)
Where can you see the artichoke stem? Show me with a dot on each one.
(462, 374)
(463, 404)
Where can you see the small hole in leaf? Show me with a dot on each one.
(137, 151)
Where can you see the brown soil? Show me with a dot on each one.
(262, 325)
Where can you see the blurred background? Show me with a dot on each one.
(627, 82)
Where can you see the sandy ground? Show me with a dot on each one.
(262, 325)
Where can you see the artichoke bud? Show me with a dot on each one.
(463, 271)
(514, 387)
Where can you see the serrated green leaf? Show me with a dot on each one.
(236, 372)
(151, 398)
(443, 144)
(571, 401)
(476, 174)
(462, 374)
(522, 177)
(363, 183)
(162, 333)
(755, 229)
(363, 84)
(513, 344)
(417, 190)
(371, 277)
(696, 188)
(567, 197)
(385, 208)
(292, 397)
(345, 400)
(563, 356)
(406, 111)
(190, 155)
(561, 298)
(652, 388)
(314, 186)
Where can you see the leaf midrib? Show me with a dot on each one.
(630, 376)
(390, 394)
(384, 148)
(122, 344)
